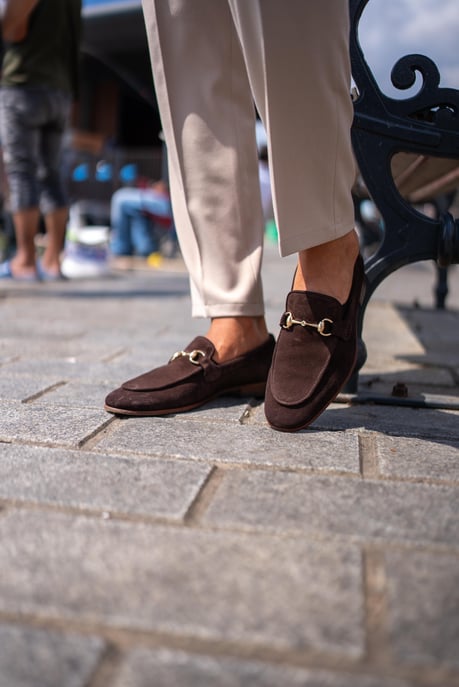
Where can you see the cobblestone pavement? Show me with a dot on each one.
(207, 549)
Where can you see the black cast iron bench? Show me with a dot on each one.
(407, 151)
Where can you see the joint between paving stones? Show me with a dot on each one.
(108, 667)
(379, 656)
(93, 438)
(375, 607)
(249, 410)
(120, 641)
(204, 496)
(368, 456)
(114, 356)
(43, 392)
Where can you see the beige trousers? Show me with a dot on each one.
(211, 60)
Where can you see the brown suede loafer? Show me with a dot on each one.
(192, 378)
(315, 355)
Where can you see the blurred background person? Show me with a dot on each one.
(39, 81)
(134, 213)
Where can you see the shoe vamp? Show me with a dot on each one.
(164, 377)
(161, 400)
(300, 363)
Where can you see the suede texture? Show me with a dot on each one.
(181, 385)
(308, 370)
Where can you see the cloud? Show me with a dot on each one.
(390, 29)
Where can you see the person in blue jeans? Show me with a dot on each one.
(133, 215)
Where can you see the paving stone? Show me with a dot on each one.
(228, 443)
(41, 658)
(76, 348)
(226, 409)
(437, 332)
(78, 395)
(393, 420)
(423, 590)
(285, 593)
(65, 369)
(313, 504)
(395, 337)
(22, 387)
(417, 458)
(414, 346)
(417, 379)
(48, 425)
(49, 319)
(179, 668)
(414, 285)
(7, 357)
(84, 480)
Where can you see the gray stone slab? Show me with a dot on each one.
(414, 285)
(42, 658)
(385, 329)
(415, 346)
(228, 443)
(83, 480)
(77, 395)
(225, 409)
(50, 319)
(23, 387)
(7, 357)
(65, 369)
(417, 379)
(285, 593)
(179, 668)
(393, 420)
(418, 459)
(436, 329)
(43, 424)
(286, 502)
(423, 591)
(40, 348)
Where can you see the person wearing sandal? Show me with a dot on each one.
(38, 83)
(212, 60)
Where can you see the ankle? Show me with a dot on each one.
(328, 268)
(234, 336)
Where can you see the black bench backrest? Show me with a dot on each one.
(426, 123)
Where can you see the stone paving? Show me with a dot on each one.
(206, 549)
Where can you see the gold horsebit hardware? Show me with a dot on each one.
(321, 327)
(193, 356)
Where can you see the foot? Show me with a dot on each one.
(49, 271)
(14, 269)
(317, 346)
(192, 378)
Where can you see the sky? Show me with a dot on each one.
(390, 29)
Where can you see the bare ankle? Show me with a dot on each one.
(234, 336)
(328, 268)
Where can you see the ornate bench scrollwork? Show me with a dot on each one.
(422, 128)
